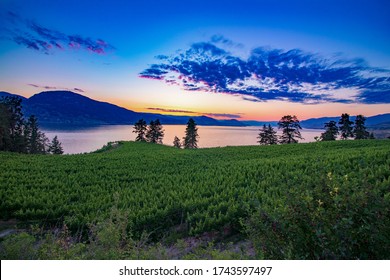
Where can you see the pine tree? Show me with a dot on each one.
(176, 142)
(140, 128)
(331, 131)
(155, 132)
(55, 147)
(345, 127)
(372, 136)
(12, 125)
(290, 125)
(360, 130)
(267, 136)
(191, 138)
(35, 139)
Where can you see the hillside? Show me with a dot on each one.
(319, 200)
(66, 108)
(378, 121)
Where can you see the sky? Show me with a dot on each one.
(247, 59)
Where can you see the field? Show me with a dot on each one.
(317, 200)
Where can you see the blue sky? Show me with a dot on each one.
(249, 59)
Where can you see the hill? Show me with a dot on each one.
(66, 108)
(376, 122)
(326, 200)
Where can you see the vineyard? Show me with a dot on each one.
(307, 190)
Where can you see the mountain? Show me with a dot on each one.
(260, 123)
(376, 122)
(7, 94)
(67, 109)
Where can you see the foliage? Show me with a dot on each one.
(140, 128)
(267, 136)
(176, 142)
(191, 138)
(17, 134)
(290, 126)
(359, 129)
(36, 141)
(204, 190)
(331, 131)
(346, 129)
(343, 216)
(55, 147)
(11, 125)
(155, 132)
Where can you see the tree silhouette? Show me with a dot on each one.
(345, 127)
(55, 147)
(290, 129)
(176, 142)
(331, 131)
(267, 136)
(155, 132)
(12, 125)
(140, 128)
(36, 140)
(360, 130)
(191, 138)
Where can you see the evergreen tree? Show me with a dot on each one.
(55, 147)
(290, 129)
(35, 139)
(176, 142)
(372, 136)
(331, 131)
(155, 132)
(345, 127)
(11, 125)
(267, 136)
(360, 130)
(140, 128)
(191, 138)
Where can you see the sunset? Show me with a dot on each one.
(184, 139)
(252, 60)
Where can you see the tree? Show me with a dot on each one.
(267, 136)
(360, 130)
(55, 147)
(155, 132)
(290, 125)
(176, 142)
(372, 136)
(331, 131)
(345, 127)
(191, 138)
(11, 125)
(140, 128)
(35, 139)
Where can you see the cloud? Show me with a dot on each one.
(54, 87)
(272, 74)
(37, 37)
(215, 115)
(172, 110)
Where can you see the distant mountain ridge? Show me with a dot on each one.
(66, 108)
(378, 121)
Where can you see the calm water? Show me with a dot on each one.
(90, 139)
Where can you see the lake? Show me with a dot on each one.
(83, 140)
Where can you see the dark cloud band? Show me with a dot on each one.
(273, 74)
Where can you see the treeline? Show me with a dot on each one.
(154, 133)
(346, 129)
(20, 135)
(291, 127)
